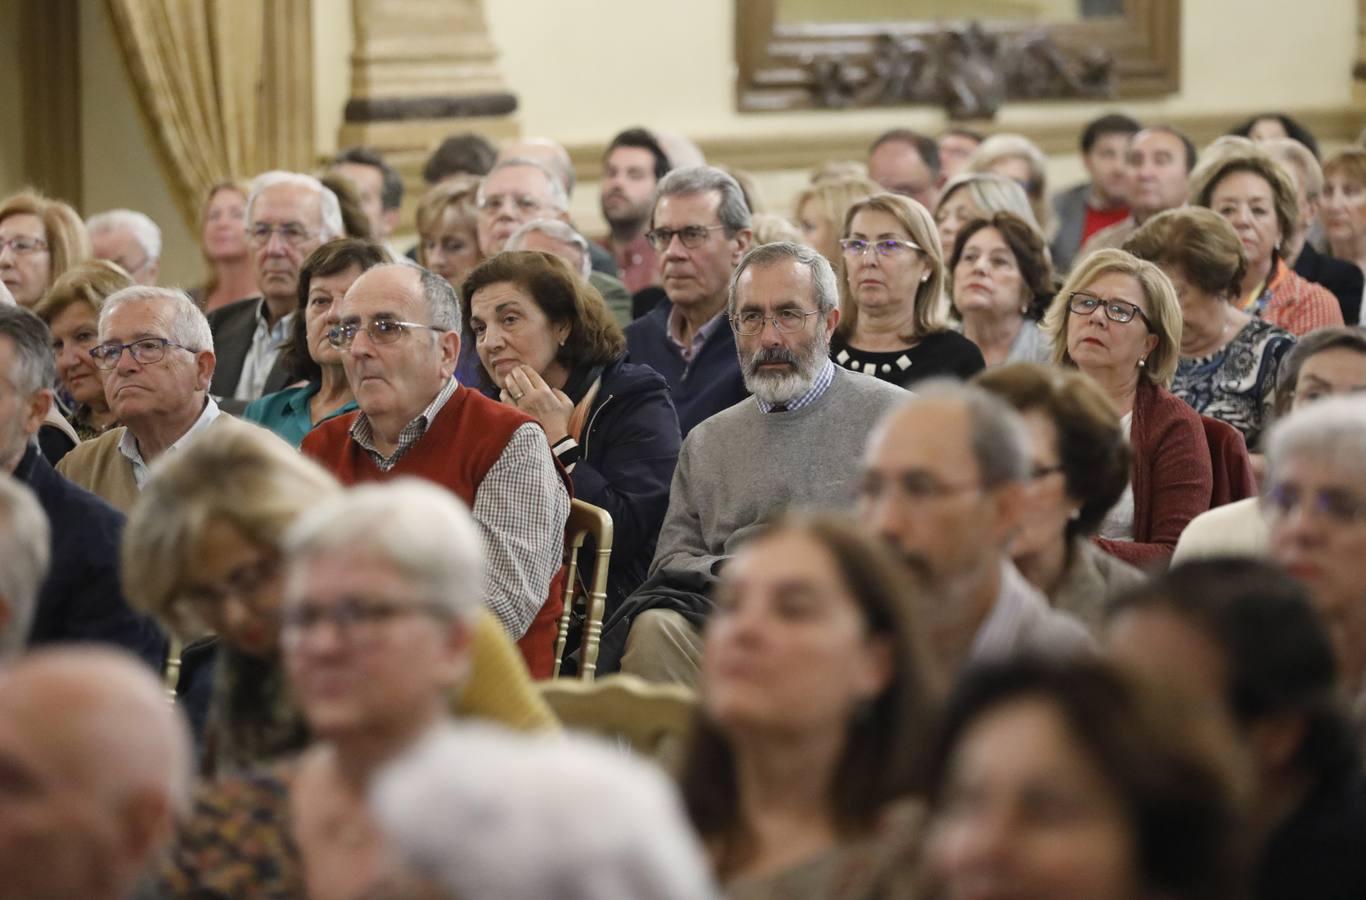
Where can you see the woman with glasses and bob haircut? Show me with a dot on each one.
(202, 554)
(309, 354)
(549, 347)
(893, 322)
(40, 239)
(1117, 319)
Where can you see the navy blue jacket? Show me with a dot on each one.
(702, 388)
(630, 444)
(81, 599)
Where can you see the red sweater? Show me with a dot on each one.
(1173, 476)
(481, 429)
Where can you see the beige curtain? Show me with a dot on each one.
(226, 86)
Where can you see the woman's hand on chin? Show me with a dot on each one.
(526, 390)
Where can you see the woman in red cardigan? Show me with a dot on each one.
(1117, 319)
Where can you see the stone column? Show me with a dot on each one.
(421, 71)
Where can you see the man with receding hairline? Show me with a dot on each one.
(400, 336)
(97, 766)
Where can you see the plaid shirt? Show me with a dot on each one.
(521, 508)
(818, 386)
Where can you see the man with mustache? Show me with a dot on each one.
(943, 484)
(631, 169)
(792, 445)
(700, 226)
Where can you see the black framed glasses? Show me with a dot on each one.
(884, 247)
(146, 351)
(787, 321)
(381, 331)
(292, 233)
(692, 236)
(1083, 304)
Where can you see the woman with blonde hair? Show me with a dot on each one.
(1117, 319)
(979, 196)
(72, 313)
(223, 238)
(448, 242)
(822, 207)
(1019, 159)
(202, 553)
(892, 309)
(1242, 183)
(40, 239)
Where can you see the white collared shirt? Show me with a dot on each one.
(260, 358)
(128, 445)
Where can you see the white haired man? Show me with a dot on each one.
(400, 335)
(289, 215)
(128, 238)
(563, 240)
(791, 445)
(156, 356)
(98, 768)
(24, 554)
(80, 599)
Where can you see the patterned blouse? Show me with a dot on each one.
(1297, 305)
(1236, 383)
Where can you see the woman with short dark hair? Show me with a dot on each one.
(1061, 780)
(817, 697)
(1000, 285)
(308, 354)
(549, 346)
(1080, 468)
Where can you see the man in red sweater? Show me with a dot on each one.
(400, 327)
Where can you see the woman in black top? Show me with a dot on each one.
(892, 317)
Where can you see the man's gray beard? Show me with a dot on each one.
(774, 389)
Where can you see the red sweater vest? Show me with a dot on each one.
(460, 446)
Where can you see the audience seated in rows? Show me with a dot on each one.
(288, 217)
(563, 240)
(308, 354)
(1079, 467)
(892, 304)
(80, 600)
(157, 355)
(400, 336)
(979, 196)
(1018, 158)
(700, 227)
(549, 348)
(1000, 283)
(1117, 319)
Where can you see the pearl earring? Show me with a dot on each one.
(1142, 363)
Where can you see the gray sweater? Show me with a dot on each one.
(741, 468)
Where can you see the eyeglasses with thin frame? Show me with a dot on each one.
(146, 351)
(356, 617)
(381, 331)
(692, 236)
(883, 248)
(23, 245)
(204, 603)
(1337, 505)
(787, 321)
(1083, 304)
(292, 233)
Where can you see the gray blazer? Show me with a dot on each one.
(1069, 207)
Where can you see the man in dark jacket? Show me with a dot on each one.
(701, 228)
(81, 599)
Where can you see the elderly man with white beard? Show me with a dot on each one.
(794, 444)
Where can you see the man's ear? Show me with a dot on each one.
(390, 217)
(449, 342)
(38, 407)
(204, 362)
(743, 239)
(1008, 501)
